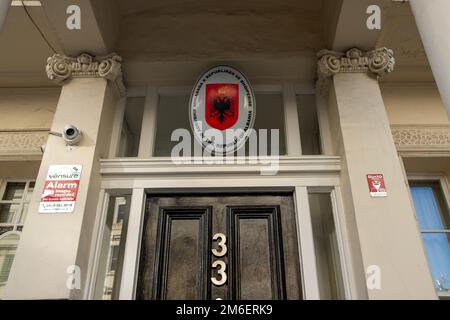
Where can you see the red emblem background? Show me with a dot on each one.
(376, 183)
(61, 190)
(222, 105)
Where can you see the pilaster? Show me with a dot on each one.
(385, 227)
(52, 243)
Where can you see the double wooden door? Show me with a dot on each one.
(219, 247)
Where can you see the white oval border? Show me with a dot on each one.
(253, 119)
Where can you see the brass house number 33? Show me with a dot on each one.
(219, 264)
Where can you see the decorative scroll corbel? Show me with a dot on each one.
(378, 62)
(61, 68)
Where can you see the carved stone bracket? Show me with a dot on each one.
(378, 62)
(61, 68)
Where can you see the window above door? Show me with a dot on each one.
(146, 119)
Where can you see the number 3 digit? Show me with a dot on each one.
(220, 272)
(221, 244)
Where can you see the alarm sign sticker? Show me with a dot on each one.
(376, 185)
(60, 189)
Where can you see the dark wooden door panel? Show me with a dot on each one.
(262, 259)
(181, 268)
(182, 249)
(256, 259)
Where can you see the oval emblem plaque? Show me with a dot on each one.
(222, 110)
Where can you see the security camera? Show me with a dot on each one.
(71, 135)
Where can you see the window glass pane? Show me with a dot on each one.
(173, 113)
(433, 215)
(14, 191)
(269, 115)
(437, 248)
(326, 247)
(8, 246)
(131, 127)
(111, 257)
(309, 124)
(7, 212)
(430, 206)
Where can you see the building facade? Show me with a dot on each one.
(351, 201)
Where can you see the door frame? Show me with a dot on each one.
(310, 286)
(148, 176)
(308, 268)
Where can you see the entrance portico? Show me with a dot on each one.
(313, 226)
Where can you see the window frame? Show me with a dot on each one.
(287, 90)
(98, 246)
(15, 223)
(445, 188)
(16, 219)
(5, 235)
(342, 236)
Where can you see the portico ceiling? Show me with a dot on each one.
(177, 30)
(267, 39)
(201, 6)
(23, 53)
(161, 39)
(400, 34)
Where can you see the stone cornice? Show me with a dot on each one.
(378, 62)
(22, 144)
(61, 68)
(429, 138)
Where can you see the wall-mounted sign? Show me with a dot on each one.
(60, 189)
(376, 185)
(222, 110)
